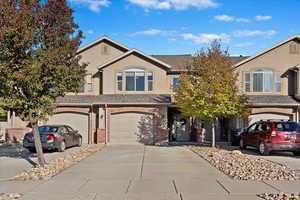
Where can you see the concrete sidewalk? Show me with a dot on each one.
(141, 173)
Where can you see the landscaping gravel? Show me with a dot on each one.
(241, 166)
(11, 196)
(58, 164)
(281, 196)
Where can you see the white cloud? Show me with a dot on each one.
(227, 18)
(245, 44)
(263, 17)
(174, 4)
(249, 33)
(154, 32)
(94, 5)
(206, 38)
(90, 31)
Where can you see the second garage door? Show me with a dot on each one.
(266, 116)
(131, 128)
(77, 121)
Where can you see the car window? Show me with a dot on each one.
(48, 129)
(253, 128)
(70, 130)
(264, 127)
(63, 130)
(287, 126)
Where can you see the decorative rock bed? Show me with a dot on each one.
(57, 165)
(281, 196)
(240, 166)
(11, 196)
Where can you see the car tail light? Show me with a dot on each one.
(273, 133)
(51, 137)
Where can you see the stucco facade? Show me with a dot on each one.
(106, 94)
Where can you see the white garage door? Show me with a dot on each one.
(266, 116)
(77, 121)
(131, 128)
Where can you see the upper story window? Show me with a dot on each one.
(262, 81)
(176, 82)
(247, 85)
(87, 84)
(134, 79)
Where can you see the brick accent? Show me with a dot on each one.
(100, 136)
(161, 135)
(71, 109)
(15, 134)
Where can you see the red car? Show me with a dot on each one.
(272, 135)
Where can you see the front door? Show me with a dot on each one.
(181, 128)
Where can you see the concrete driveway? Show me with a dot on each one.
(122, 172)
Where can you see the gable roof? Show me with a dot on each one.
(179, 62)
(103, 38)
(132, 51)
(267, 50)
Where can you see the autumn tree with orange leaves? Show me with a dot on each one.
(38, 61)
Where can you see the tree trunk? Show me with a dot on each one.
(37, 141)
(213, 139)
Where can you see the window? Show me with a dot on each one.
(120, 81)
(134, 80)
(287, 126)
(130, 81)
(150, 81)
(246, 81)
(263, 81)
(176, 82)
(252, 128)
(294, 48)
(140, 81)
(86, 84)
(277, 80)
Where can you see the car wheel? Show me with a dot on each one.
(79, 142)
(263, 149)
(242, 144)
(62, 146)
(296, 153)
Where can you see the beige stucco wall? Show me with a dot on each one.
(94, 57)
(278, 60)
(161, 83)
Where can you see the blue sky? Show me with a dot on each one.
(184, 26)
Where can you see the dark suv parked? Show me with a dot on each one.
(272, 135)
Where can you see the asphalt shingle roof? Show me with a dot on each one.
(178, 62)
(276, 100)
(115, 99)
